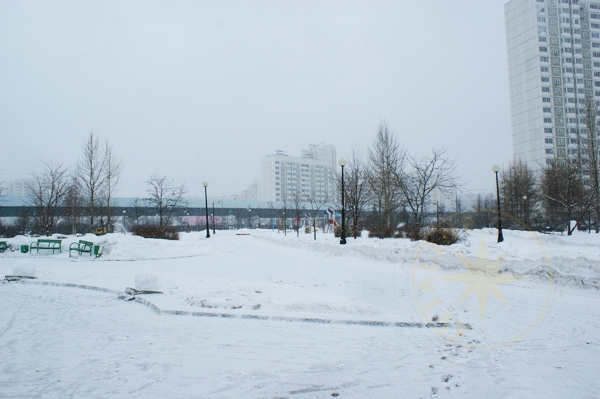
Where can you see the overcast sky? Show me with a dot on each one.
(201, 90)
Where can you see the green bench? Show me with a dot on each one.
(81, 247)
(3, 246)
(42, 243)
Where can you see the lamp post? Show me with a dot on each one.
(342, 162)
(525, 208)
(496, 169)
(205, 184)
(213, 217)
(124, 212)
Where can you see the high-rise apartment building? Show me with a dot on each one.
(286, 178)
(553, 49)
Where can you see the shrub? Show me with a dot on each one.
(167, 233)
(413, 233)
(442, 236)
(378, 232)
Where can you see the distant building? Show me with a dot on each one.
(17, 188)
(553, 49)
(286, 178)
(250, 193)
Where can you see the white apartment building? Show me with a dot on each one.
(286, 178)
(18, 188)
(553, 49)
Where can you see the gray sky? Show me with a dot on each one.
(200, 90)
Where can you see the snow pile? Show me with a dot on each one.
(146, 281)
(24, 268)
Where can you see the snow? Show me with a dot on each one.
(260, 314)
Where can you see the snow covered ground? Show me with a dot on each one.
(260, 314)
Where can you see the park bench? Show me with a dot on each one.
(42, 243)
(3, 246)
(81, 247)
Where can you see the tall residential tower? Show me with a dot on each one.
(553, 51)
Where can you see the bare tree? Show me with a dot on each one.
(357, 193)
(564, 194)
(112, 175)
(91, 177)
(298, 209)
(590, 157)
(424, 175)
(385, 163)
(23, 220)
(484, 211)
(317, 203)
(138, 210)
(72, 205)
(518, 185)
(49, 192)
(166, 198)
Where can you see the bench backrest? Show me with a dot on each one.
(45, 241)
(86, 243)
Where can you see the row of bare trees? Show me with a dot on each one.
(88, 191)
(57, 193)
(398, 188)
(564, 194)
(394, 186)
(561, 197)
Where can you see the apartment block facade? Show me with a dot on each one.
(287, 178)
(553, 49)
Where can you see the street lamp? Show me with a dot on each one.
(124, 212)
(342, 162)
(496, 169)
(213, 217)
(205, 184)
(525, 208)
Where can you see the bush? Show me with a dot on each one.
(442, 236)
(413, 233)
(167, 233)
(386, 232)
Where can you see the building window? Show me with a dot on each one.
(547, 109)
(549, 150)
(546, 99)
(546, 89)
(547, 120)
(549, 141)
(557, 101)
(547, 130)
